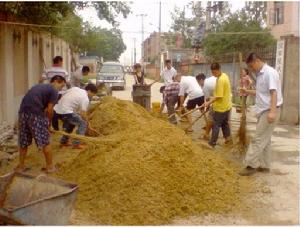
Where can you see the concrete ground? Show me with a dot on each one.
(277, 201)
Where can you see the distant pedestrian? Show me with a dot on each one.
(35, 115)
(208, 87)
(72, 110)
(267, 108)
(221, 104)
(55, 69)
(190, 87)
(167, 74)
(77, 76)
(245, 82)
(138, 74)
(171, 92)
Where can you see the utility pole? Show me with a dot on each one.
(142, 15)
(208, 16)
(134, 51)
(159, 38)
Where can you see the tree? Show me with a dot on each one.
(103, 42)
(64, 23)
(46, 13)
(53, 13)
(218, 43)
(256, 10)
(184, 26)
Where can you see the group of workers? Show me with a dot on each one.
(57, 96)
(213, 95)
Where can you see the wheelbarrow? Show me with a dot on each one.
(35, 200)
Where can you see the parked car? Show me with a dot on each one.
(112, 74)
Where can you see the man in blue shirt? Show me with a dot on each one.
(35, 115)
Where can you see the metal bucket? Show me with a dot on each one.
(35, 200)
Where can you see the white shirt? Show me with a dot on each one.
(168, 74)
(267, 79)
(73, 100)
(189, 85)
(209, 86)
(55, 70)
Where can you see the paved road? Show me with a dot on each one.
(126, 94)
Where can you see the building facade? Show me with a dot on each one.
(283, 18)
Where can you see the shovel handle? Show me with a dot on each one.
(203, 113)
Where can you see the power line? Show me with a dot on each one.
(236, 33)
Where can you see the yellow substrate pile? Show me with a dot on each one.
(147, 171)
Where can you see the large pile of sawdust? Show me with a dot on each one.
(147, 171)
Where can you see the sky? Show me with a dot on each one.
(132, 25)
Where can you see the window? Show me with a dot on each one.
(278, 8)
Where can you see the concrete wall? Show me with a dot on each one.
(22, 53)
(290, 108)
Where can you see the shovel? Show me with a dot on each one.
(187, 113)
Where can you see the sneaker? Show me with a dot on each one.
(79, 146)
(49, 170)
(248, 171)
(264, 170)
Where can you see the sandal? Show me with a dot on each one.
(21, 169)
(52, 170)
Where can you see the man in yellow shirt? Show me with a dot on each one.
(221, 103)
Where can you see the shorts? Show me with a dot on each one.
(33, 126)
(195, 102)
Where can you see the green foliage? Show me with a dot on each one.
(70, 27)
(108, 10)
(49, 13)
(238, 22)
(103, 42)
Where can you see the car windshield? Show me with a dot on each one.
(111, 69)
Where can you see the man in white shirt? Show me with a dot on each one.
(72, 109)
(267, 108)
(189, 86)
(208, 86)
(167, 74)
(77, 76)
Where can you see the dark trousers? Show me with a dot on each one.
(70, 121)
(171, 102)
(55, 121)
(55, 117)
(220, 120)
